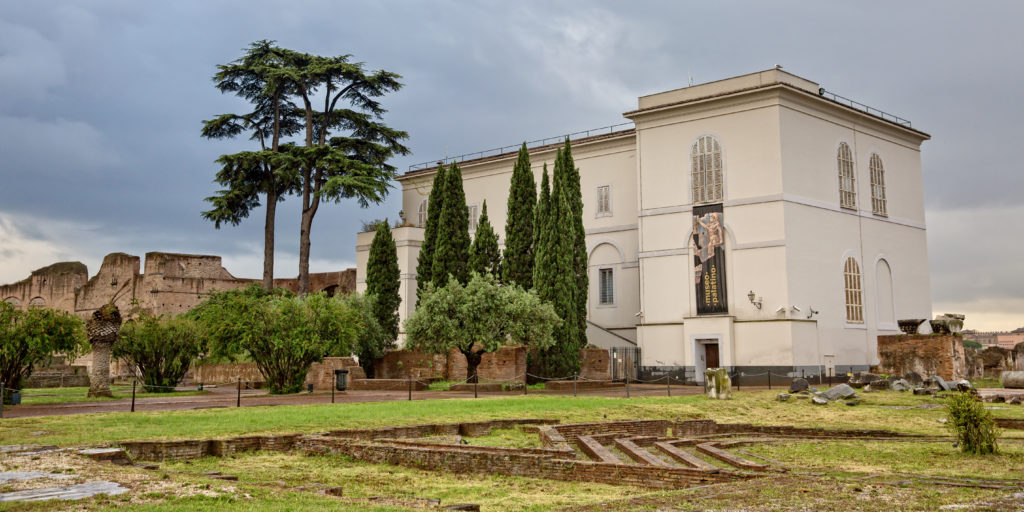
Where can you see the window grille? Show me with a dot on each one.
(878, 204)
(854, 294)
(706, 170)
(422, 218)
(604, 200)
(847, 178)
(473, 217)
(607, 286)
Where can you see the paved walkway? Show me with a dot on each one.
(222, 397)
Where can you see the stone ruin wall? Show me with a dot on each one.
(171, 284)
(924, 354)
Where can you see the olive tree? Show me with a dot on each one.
(159, 348)
(478, 317)
(30, 338)
(281, 332)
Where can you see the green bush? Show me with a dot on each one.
(29, 338)
(972, 423)
(160, 349)
(281, 332)
(971, 344)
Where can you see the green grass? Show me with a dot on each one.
(987, 383)
(439, 385)
(37, 396)
(756, 407)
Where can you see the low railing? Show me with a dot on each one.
(862, 107)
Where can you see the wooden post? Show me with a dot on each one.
(769, 377)
(335, 386)
(575, 377)
(410, 386)
(134, 382)
(627, 384)
(238, 401)
(476, 379)
(668, 385)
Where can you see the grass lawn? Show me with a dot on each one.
(756, 407)
(34, 396)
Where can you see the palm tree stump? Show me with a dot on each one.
(102, 330)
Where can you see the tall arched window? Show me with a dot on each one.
(854, 292)
(706, 170)
(847, 177)
(885, 298)
(37, 303)
(878, 206)
(421, 219)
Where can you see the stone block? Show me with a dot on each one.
(717, 383)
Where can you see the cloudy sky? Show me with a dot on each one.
(101, 104)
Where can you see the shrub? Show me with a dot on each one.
(372, 341)
(29, 338)
(972, 423)
(160, 349)
(281, 332)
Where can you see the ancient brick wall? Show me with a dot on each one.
(925, 354)
(400, 364)
(320, 375)
(53, 286)
(506, 363)
(595, 364)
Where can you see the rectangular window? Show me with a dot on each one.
(473, 216)
(606, 285)
(604, 200)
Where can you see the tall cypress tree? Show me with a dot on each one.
(517, 266)
(574, 195)
(484, 256)
(554, 278)
(451, 246)
(383, 280)
(435, 203)
(540, 217)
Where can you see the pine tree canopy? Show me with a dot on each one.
(383, 280)
(451, 244)
(517, 266)
(484, 256)
(435, 203)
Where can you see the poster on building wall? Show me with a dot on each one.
(709, 259)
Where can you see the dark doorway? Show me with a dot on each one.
(711, 354)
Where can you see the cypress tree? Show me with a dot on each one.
(435, 203)
(517, 266)
(554, 278)
(484, 256)
(383, 280)
(540, 216)
(574, 195)
(451, 245)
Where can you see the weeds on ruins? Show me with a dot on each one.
(159, 349)
(29, 338)
(973, 425)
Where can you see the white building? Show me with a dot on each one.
(809, 215)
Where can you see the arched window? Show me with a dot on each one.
(885, 300)
(706, 170)
(421, 220)
(37, 303)
(14, 302)
(847, 178)
(854, 292)
(878, 206)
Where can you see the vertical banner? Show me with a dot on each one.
(709, 259)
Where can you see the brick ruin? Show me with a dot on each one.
(171, 284)
(924, 354)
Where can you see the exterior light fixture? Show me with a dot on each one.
(755, 300)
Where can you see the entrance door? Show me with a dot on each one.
(711, 353)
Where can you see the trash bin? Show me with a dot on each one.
(16, 398)
(341, 380)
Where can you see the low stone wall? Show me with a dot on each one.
(320, 375)
(1011, 423)
(567, 385)
(385, 385)
(925, 354)
(505, 364)
(595, 364)
(193, 448)
(469, 429)
(505, 462)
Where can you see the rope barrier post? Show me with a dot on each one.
(2, 399)
(575, 377)
(627, 385)
(476, 379)
(526, 385)
(668, 385)
(737, 378)
(830, 370)
(769, 378)
(334, 386)
(134, 382)
(238, 401)
(410, 386)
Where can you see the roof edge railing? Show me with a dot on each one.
(515, 147)
(864, 108)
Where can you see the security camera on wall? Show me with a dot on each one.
(782, 309)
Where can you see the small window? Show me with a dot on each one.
(847, 178)
(474, 216)
(606, 283)
(706, 170)
(854, 293)
(878, 206)
(421, 220)
(604, 200)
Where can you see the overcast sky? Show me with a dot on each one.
(101, 104)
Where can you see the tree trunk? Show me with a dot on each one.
(99, 377)
(268, 242)
(307, 222)
(473, 359)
